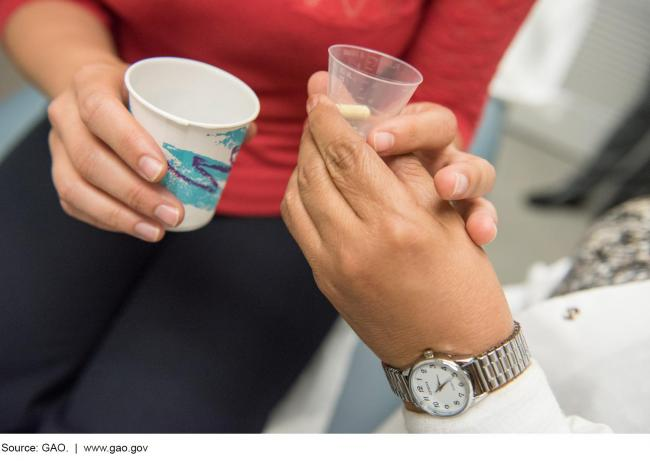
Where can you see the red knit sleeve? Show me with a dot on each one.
(7, 7)
(457, 50)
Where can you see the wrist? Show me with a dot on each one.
(461, 335)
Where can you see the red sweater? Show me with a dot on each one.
(275, 45)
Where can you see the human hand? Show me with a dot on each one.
(105, 166)
(390, 254)
(429, 132)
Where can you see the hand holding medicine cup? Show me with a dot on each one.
(105, 166)
(389, 253)
(429, 131)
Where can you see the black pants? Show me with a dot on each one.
(99, 332)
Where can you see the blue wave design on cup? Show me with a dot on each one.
(194, 178)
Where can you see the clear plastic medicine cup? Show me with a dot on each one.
(369, 86)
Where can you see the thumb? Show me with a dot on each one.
(317, 83)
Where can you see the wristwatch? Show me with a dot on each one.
(444, 385)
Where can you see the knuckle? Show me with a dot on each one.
(53, 110)
(284, 209)
(128, 142)
(91, 105)
(447, 124)
(114, 217)
(344, 153)
(427, 106)
(350, 265)
(136, 197)
(489, 208)
(489, 169)
(410, 166)
(65, 189)
(488, 174)
(401, 234)
(84, 73)
(85, 161)
(308, 175)
(65, 206)
(51, 141)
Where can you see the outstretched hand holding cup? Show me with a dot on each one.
(372, 90)
(199, 115)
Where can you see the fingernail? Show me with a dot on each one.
(167, 214)
(383, 141)
(460, 186)
(150, 167)
(147, 232)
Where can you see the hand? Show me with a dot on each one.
(429, 132)
(388, 252)
(105, 166)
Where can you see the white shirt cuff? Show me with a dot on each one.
(527, 404)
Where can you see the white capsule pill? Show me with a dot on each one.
(354, 111)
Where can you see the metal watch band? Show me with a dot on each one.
(489, 371)
(501, 364)
(398, 383)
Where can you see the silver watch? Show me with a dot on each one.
(443, 385)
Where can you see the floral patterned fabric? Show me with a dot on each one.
(615, 250)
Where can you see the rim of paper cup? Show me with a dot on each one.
(181, 120)
(374, 77)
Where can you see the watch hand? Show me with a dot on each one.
(438, 379)
(444, 384)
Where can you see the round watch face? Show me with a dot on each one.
(440, 387)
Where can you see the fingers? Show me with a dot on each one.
(317, 83)
(415, 178)
(361, 177)
(251, 132)
(298, 221)
(85, 202)
(101, 168)
(99, 96)
(327, 208)
(480, 218)
(420, 127)
(428, 130)
(463, 176)
(79, 215)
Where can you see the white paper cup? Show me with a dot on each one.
(198, 114)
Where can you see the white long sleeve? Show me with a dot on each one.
(525, 405)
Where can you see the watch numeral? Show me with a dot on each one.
(420, 389)
(454, 374)
(431, 365)
(443, 368)
(425, 398)
(447, 407)
(460, 394)
(423, 370)
(456, 402)
(436, 404)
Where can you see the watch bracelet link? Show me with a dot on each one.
(488, 371)
(398, 383)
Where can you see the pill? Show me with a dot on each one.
(354, 111)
